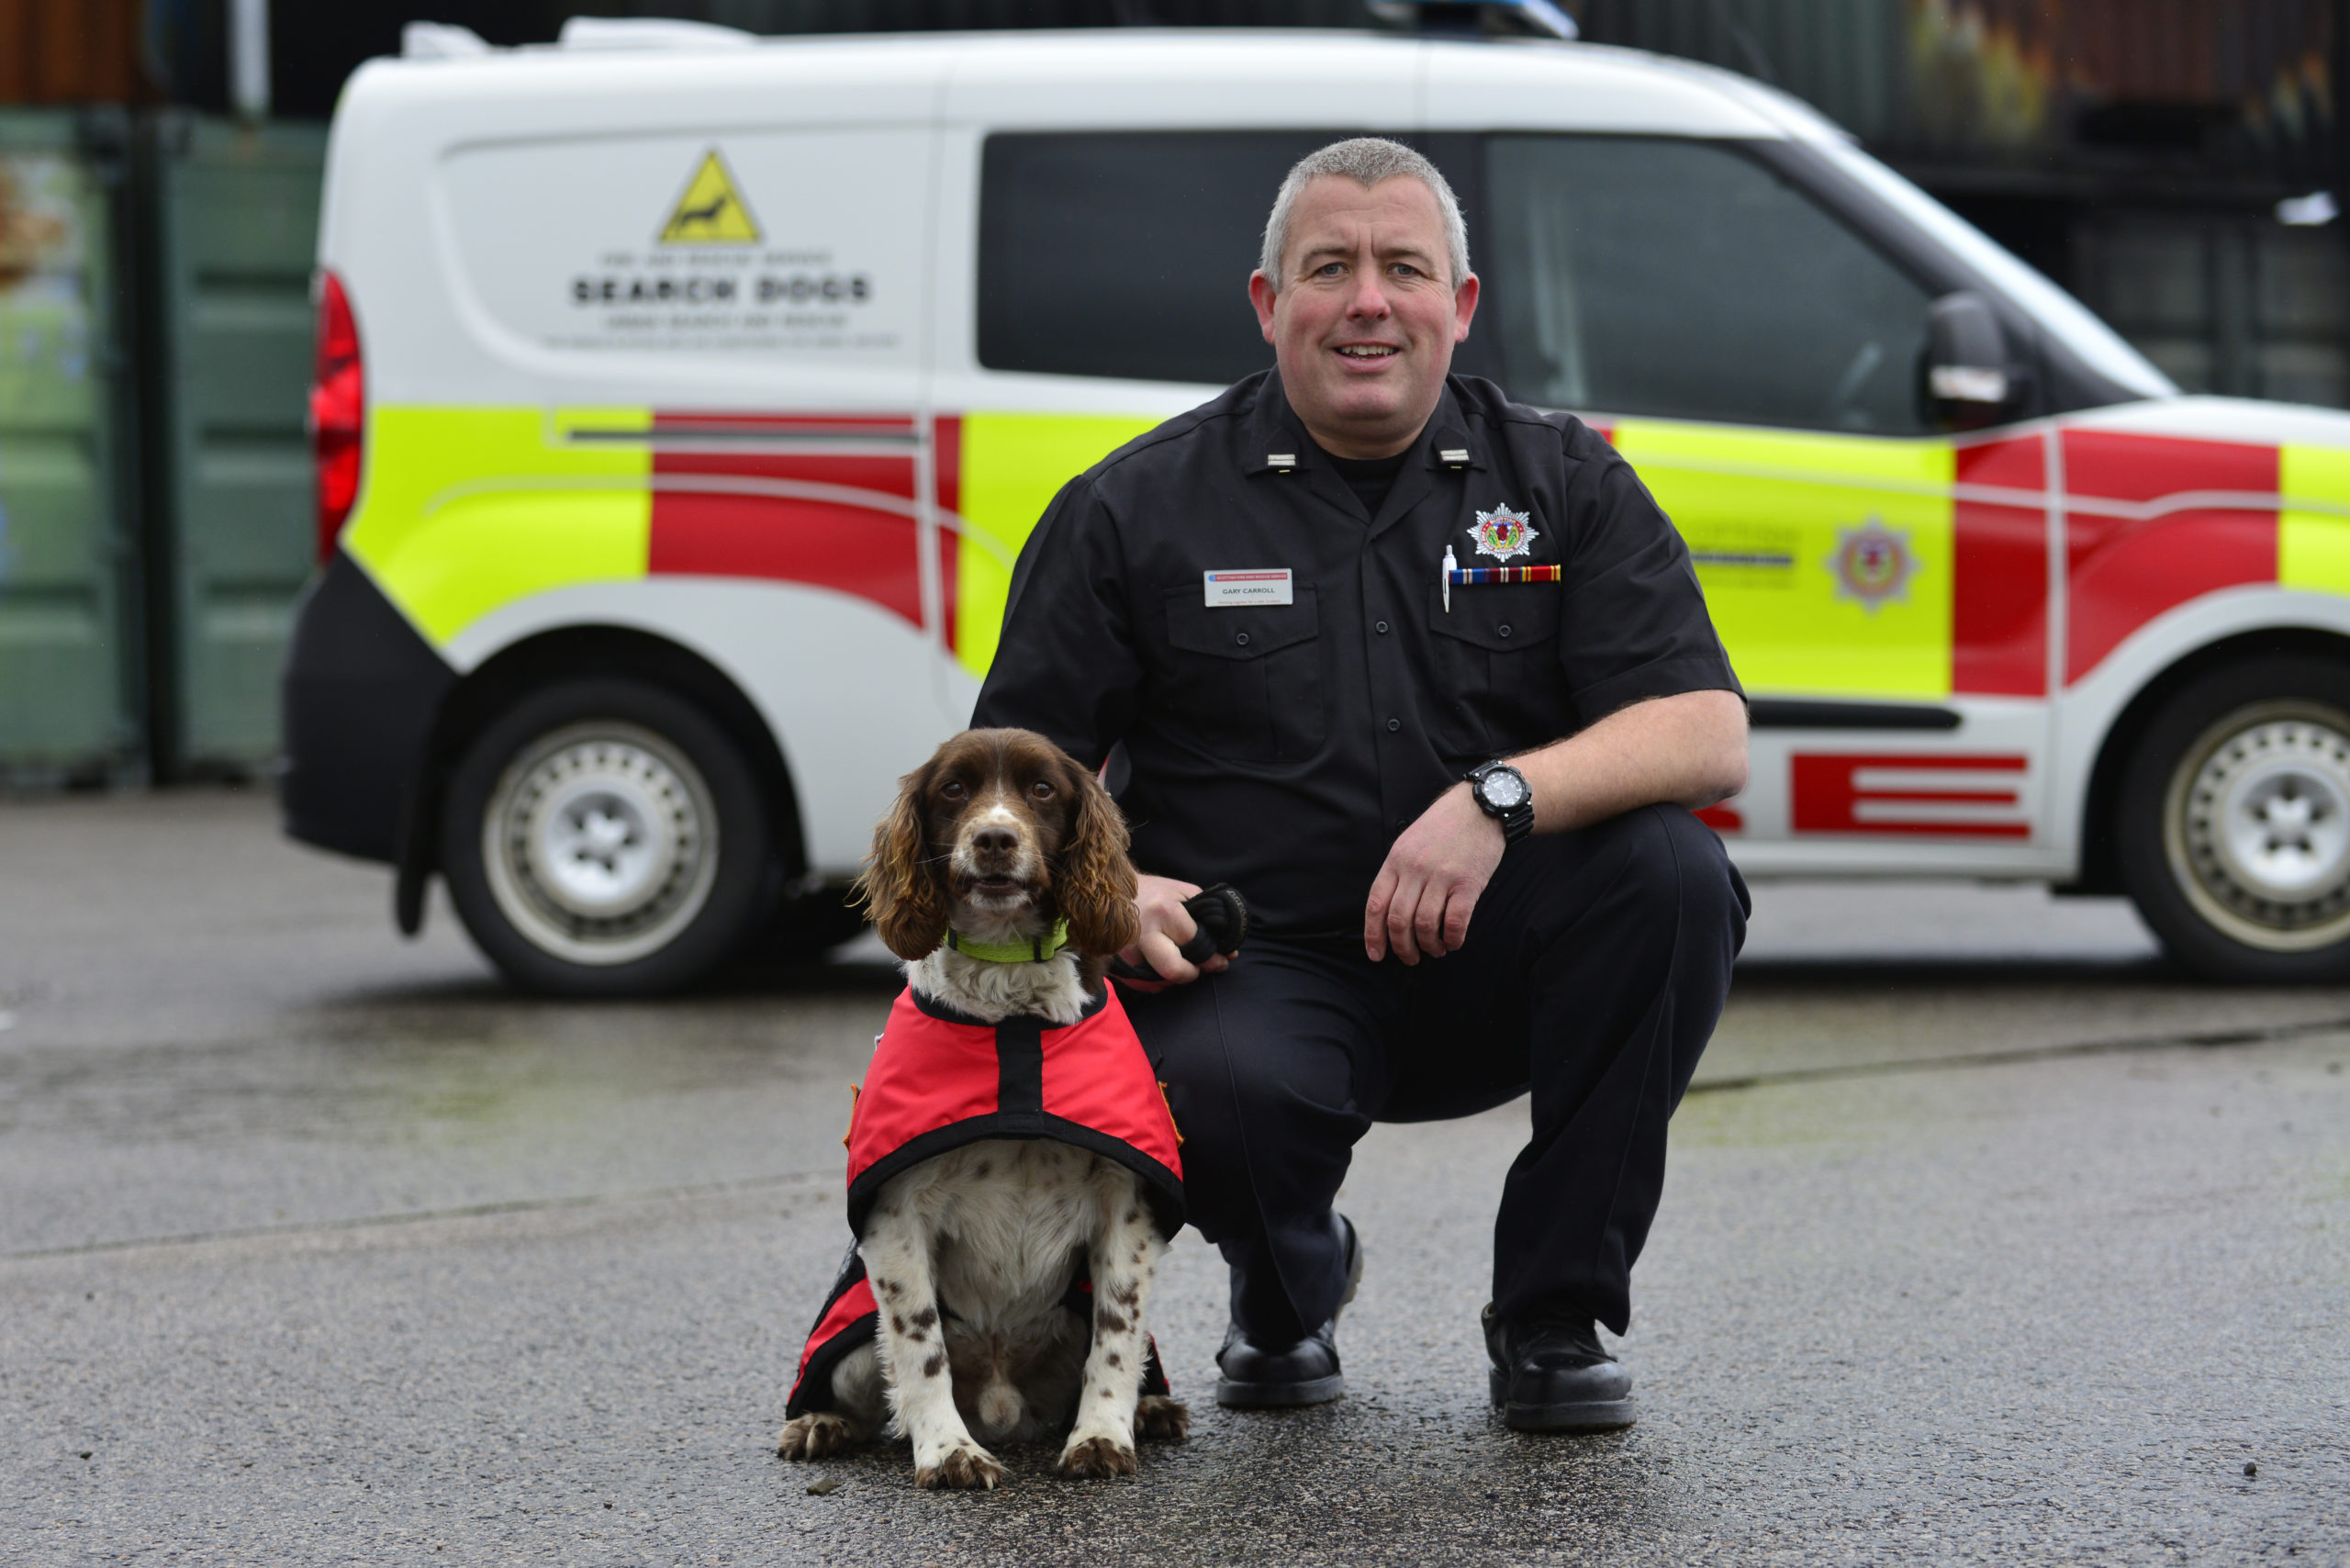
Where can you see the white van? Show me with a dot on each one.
(682, 410)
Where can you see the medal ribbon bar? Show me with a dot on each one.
(1467, 574)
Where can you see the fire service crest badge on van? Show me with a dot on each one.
(1873, 563)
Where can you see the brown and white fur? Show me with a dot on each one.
(999, 835)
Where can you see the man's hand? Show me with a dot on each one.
(1166, 927)
(1422, 899)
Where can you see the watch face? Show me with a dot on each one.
(1503, 791)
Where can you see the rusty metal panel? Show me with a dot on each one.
(71, 52)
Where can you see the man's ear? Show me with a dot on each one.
(1260, 295)
(1464, 306)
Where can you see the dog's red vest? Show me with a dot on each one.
(940, 1081)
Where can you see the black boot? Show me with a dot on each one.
(1550, 1374)
(1255, 1378)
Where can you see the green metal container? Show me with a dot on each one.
(233, 214)
(69, 649)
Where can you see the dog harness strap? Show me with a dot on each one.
(1019, 1067)
(1033, 951)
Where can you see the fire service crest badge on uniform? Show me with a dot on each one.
(1873, 563)
(1502, 534)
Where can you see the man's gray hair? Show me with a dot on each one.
(1366, 160)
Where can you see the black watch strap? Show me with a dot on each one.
(1517, 821)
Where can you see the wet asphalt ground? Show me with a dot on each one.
(1987, 1239)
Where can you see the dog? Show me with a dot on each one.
(1006, 1279)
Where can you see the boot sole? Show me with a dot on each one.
(1581, 1415)
(1279, 1395)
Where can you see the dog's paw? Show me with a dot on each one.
(1160, 1419)
(1098, 1458)
(812, 1437)
(962, 1465)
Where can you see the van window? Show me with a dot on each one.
(1128, 255)
(1682, 278)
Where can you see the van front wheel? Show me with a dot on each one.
(2234, 828)
(605, 837)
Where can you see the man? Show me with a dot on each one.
(1253, 601)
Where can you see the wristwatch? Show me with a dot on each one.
(1500, 793)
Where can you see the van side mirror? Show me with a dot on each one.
(1968, 375)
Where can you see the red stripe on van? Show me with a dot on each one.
(1999, 575)
(2124, 571)
(1722, 818)
(854, 549)
(946, 471)
(787, 514)
(1827, 796)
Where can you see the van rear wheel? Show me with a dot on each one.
(2234, 828)
(605, 837)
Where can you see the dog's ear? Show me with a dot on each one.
(904, 895)
(1096, 889)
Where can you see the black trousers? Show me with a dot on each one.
(1593, 973)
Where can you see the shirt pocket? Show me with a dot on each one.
(1247, 679)
(1496, 653)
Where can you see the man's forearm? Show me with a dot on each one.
(1689, 749)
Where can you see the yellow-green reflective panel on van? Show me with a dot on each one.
(1012, 465)
(466, 511)
(1826, 559)
(2314, 547)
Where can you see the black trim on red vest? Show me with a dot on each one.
(813, 1391)
(1020, 1114)
(1020, 1066)
(1161, 1188)
(934, 1008)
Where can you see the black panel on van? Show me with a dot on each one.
(1128, 254)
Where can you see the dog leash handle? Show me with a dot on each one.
(1222, 915)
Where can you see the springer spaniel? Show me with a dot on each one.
(977, 1258)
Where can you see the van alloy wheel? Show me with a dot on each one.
(600, 843)
(2232, 819)
(2256, 825)
(604, 836)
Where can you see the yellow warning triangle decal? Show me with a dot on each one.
(712, 211)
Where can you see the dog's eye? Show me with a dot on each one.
(1041, 790)
(952, 790)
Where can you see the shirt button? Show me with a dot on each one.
(1394, 724)
(1243, 638)
(1504, 631)
(1382, 627)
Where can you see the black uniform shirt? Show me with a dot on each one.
(1281, 747)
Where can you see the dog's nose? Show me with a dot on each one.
(995, 843)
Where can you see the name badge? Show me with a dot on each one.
(1265, 585)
